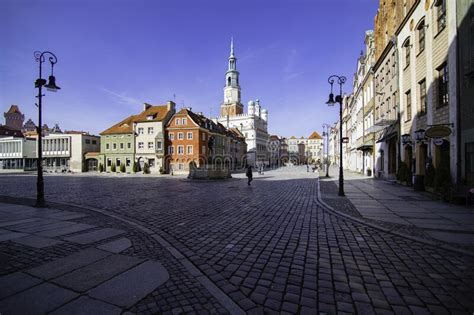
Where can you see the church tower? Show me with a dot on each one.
(232, 105)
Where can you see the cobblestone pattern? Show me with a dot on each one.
(272, 249)
(329, 191)
(181, 294)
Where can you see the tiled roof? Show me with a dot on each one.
(156, 113)
(9, 132)
(315, 135)
(13, 110)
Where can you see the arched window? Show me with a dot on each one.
(228, 81)
(407, 47)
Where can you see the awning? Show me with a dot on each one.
(389, 133)
(367, 146)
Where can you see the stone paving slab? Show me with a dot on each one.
(16, 222)
(133, 285)
(77, 227)
(69, 263)
(86, 305)
(95, 236)
(37, 241)
(90, 276)
(16, 282)
(116, 246)
(43, 227)
(40, 299)
(11, 236)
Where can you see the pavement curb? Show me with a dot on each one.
(330, 209)
(207, 283)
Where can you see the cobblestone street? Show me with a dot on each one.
(271, 247)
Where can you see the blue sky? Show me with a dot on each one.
(113, 55)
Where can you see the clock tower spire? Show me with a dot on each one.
(232, 105)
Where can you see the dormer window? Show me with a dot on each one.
(150, 117)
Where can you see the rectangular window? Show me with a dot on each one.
(140, 145)
(203, 149)
(159, 145)
(443, 93)
(177, 121)
(94, 141)
(150, 130)
(422, 87)
(118, 162)
(171, 149)
(180, 135)
(421, 37)
(180, 149)
(408, 100)
(121, 145)
(150, 145)
(107, 146)
(88, 141)
(129, 145)
(203, 136)
(114, 146)
(190, 135)
(171, 136)
(183, 121)
(109, 162)
(140, 131)
(189, 149)
(441, 14)
(127, 162)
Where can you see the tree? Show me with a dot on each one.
(135, 167)
(101, 167)
(113, 168)
(122, 168)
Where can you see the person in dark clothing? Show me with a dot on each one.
(249, 174)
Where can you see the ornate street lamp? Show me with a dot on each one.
(340, 80)
(420, 135)
(326, 133)
(406, 139)
(51, 86)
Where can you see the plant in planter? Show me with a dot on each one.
(162, 171)
(113, 168)
(442, 181)
(430, 177)
(135, 167)
(403, 173)
(101, 167)
(146, 169)
(122, 168)
(369, 171)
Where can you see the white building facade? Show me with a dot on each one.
(17, 153)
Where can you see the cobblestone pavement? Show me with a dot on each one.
(272, 248)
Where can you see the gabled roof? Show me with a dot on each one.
(315, 135)
(156, 113)
(13, 110)
(125, 126)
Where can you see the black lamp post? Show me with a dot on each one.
(51, 86)
(340, 80)
(326, 133)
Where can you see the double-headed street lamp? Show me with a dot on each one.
(326, 133)
(340, 80)
(51, 86)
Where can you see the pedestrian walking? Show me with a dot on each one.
(307, 167)
(249, 174)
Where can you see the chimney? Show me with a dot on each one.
(146, 106)
(171, 105)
